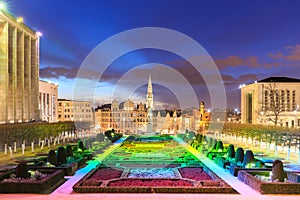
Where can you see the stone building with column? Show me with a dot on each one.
(48, 95)
(260, 99)
(19, 71)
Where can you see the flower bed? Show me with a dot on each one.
(248, 177)
(151, 173)
(150, 183)
(45, 185)
(194, 173)
(169, 168)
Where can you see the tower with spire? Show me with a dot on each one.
(149, 106)
(149, 97)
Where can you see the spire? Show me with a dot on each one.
(149, 101)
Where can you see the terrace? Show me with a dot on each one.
(164, 164)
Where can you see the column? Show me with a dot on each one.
(12, 75)
(27, 79)
(20, 76)
(3, 70)
(34, 111)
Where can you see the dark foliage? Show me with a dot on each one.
(248, 158)
(277, 171)
(239, 155)
(231, 152)
(61, 156)
(22, 170)
(69, 152)
(52, 158)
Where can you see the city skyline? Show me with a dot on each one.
(248, 42)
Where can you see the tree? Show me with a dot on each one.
(273, 104)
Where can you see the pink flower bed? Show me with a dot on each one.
(150, 183)
(194, 173)
(106, 173)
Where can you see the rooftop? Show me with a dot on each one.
(279, 79)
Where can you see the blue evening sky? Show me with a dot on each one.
(248, 40)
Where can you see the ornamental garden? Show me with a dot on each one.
(152, 164)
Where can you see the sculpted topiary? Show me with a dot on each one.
(219, 146)
(209, 143)
(239, 156)
(69, 152)
(214, 144)
(61, 156)
(231, 152)
(22, 170)
(52, 158)
(80, 145)
(277, 171)
(248, 158)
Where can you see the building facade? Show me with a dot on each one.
(78, 111)
(271, 101)
(128, 117)
(48, 95)
(19, 71)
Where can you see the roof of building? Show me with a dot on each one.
(279, 79)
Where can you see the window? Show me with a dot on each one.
(288, 100)
(294, 100)
(266, 100)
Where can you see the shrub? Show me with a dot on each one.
(61, 156)
(209, 143)
(231, 152)
(22, 170)
(219, 146)
(248, 158)
(277, 171)
(214, 144)
(52, 158)
(239, 155)
(69, 152)
(80, 145)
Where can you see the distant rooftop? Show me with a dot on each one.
(279, 79)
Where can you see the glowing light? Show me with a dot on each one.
(2, 6)
(39, 33)
(20, 20)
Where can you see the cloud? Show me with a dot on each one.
(235, 61)
(230, 80)
(68, 73)
(291, 53)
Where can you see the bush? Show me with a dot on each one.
(69, 152)
(277, 171)
(209, 143)
(22, 170)
(219, 146)
(61, 156)
(52, 158)
(80, 145)
(248, 158)
(231, 152)
(239, 155)
(214, 144)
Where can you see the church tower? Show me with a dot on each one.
(149, 107)
(149, 97)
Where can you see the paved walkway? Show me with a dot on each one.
(65, 191)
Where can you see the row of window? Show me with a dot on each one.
(281, 99)
(77, 116)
